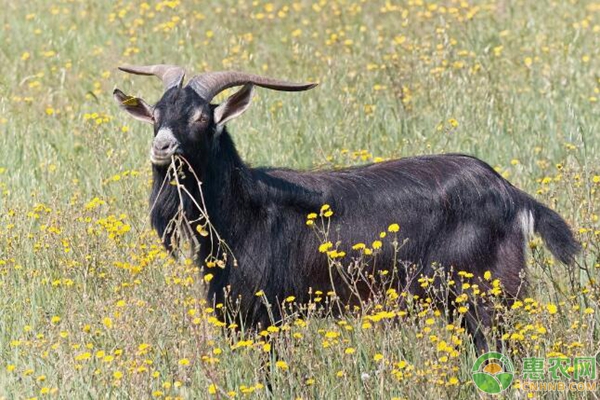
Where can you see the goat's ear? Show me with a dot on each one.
(135, 106)
(234, 106)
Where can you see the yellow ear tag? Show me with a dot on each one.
(131, 101)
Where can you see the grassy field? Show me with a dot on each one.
(90, 304)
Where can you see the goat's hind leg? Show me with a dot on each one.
(508, 267)
(510, 270)
(478, 320)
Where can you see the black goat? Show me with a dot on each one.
(454, 210)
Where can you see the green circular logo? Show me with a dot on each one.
(493, 372)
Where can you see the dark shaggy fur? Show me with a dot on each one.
(454, 210)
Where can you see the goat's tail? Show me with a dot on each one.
(553, 229)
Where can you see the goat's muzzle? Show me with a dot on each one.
(164, 147)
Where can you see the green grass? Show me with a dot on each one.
(512, 82)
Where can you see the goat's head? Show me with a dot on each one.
(184, 121)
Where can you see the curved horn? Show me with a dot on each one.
(171, 75)
(209, 84)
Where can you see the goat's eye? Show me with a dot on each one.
(202, 119)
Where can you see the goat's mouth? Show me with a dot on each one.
(162, 158)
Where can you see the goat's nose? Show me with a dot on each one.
(163, 145)
(165, 141)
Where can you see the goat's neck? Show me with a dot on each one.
(225, 182)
